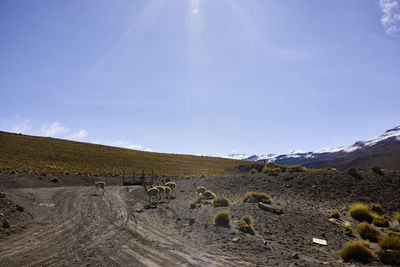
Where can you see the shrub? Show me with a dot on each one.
(296, 169)
(3, 194)
(397, 216)
(360, 212)
(208, 194)
(389, 242)
(378, 171)
(220, 202)
(347, 229)
(380, 221)
(192, 204)
(378, 209)
(253, 171)
(357, 251)
(222, 218)
(389, 257)
(260, 197)
(335, 214)
(393, 233)
(369, 232)
(13, 210)
(246, 224)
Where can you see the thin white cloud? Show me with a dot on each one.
(391, 16)
(234, 151)
(54, 129)
(79, 135)
(127, 144)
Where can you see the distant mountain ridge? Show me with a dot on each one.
(383, 149)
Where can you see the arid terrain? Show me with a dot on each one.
(67, 223)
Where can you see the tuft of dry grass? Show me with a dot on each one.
(389, 257)
(380, 221)
(397, 216)
(335, 214)
(361, 212)
(378, 209)
(220, 202)
(393, 233)
(192, 204)
(368, 232)
(296, 169)
(208, 194)
(246, 224)
(347, 228)
(260, 197)
(253, 171)
(389, 242)
(222, 218)
(270, 170)
(357, 251)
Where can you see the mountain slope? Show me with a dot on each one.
(383, 150)
(49, 155)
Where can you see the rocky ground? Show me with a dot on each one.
(67, 223)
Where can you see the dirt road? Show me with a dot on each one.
(76, 227)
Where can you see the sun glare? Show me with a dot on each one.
(195, 11)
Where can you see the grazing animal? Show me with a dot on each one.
(160, 190)
(98, 185)
(172, 186)
(167, 191)
(152, 192)
(200, 189)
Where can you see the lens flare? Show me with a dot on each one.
(195, 11)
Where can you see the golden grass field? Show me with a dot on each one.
(23, 153)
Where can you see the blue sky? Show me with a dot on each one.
(201, 76)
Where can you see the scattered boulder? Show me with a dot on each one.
(6, 223)
(378, 171)
(295, 256)
(269, 208)
(139, 210)
(251, 200)
(20, 208)
(353, 172)
(236, 239)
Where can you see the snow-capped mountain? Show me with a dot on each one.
(316, 158)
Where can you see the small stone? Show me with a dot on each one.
(251, 200)
(264, 242)
(20, 208)
(1, 214)
(139, 210)
(295, 256)
(6, 223)
(191, 221)
(236, 239)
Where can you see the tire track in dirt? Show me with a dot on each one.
(84, 229)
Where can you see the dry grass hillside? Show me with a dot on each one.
(22, 153)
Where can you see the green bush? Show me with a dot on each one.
(208, 194)
(296, 169)
(389, 257)
(389, 242)
(260, 197)
(380, 221)
(253, 171)
(246, 224)
(378, 209)
(368, 232)
(357, 251)
(192, 204)
(335, 214)
(222, 218)
(220, 202)
(360, 212)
